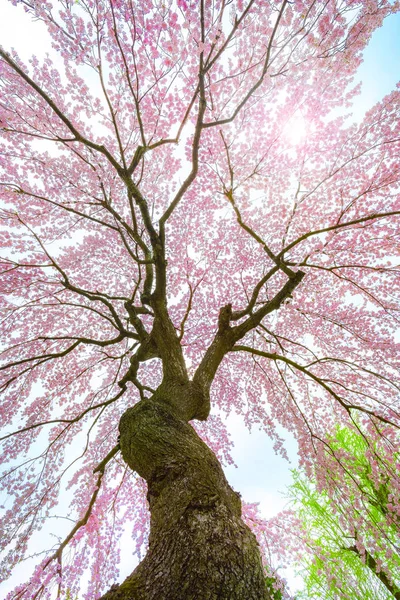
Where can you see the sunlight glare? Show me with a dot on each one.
(296, 129)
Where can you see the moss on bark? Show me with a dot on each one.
(199, 547)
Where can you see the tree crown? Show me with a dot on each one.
(169, 231)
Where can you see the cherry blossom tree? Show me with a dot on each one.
(172, 247)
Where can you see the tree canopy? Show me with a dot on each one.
(170, 244)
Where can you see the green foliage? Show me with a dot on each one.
(353, 544)
(275, 594)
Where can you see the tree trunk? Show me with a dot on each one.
(199, 547)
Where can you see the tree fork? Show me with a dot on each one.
(199, 547)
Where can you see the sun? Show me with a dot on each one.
(296, 129)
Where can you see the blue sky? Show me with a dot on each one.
(380, 71)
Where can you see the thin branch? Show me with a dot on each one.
(337, 226)
(321, 382)
(259, 81)
(78, 136)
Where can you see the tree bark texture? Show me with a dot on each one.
(199, 547)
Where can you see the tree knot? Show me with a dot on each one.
(225, 315)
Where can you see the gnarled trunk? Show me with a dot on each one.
(199, 547)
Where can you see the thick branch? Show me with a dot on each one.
(227, 336)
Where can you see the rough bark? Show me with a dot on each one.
(199, 547)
